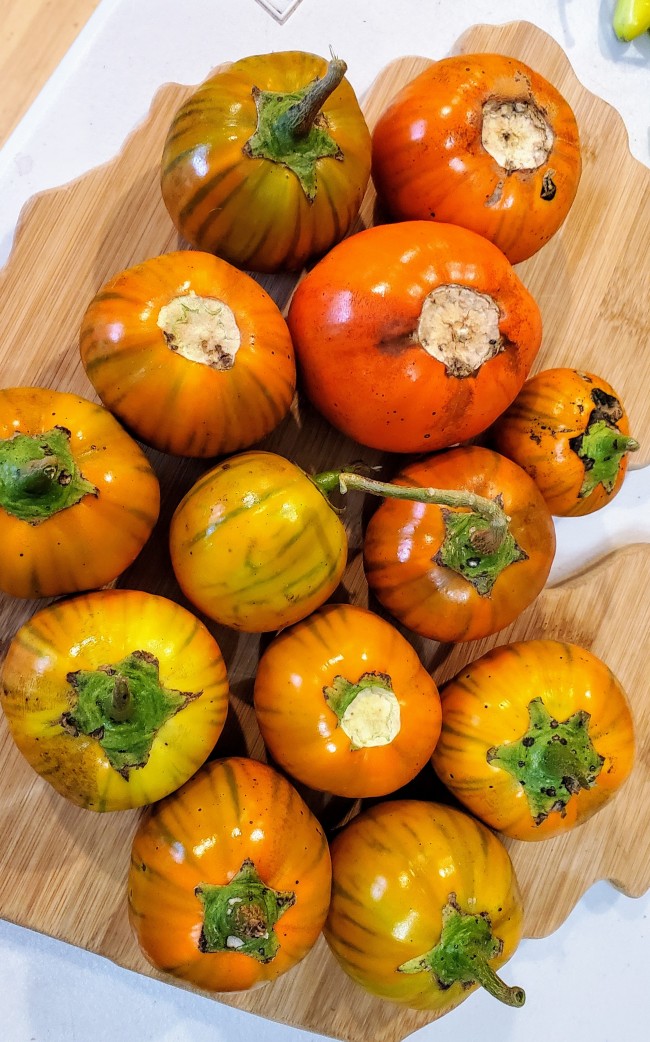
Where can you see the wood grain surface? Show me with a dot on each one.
(63, 870)
(34, 36)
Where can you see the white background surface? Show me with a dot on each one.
(589, 981)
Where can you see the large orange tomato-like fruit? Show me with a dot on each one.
(425, 906)
(413, 336)
(483, 141)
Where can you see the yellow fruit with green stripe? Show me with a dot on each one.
(255, 544)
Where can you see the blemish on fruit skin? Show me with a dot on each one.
(549, 188)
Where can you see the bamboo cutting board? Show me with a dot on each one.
(30, 55)
(63, 870)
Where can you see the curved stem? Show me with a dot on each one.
(463, 953)
(488, 509)
(297, 121)
(491, 981)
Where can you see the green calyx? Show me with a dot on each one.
(470, 549)
(240, 916)
(601, 449)
(123, 706)
(292, 131)
(463, 954)
(368, 710)
(553, 760)
(39, 475)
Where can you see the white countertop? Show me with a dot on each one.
(588, 982)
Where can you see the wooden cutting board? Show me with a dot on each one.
(63, 870)
(33, 40)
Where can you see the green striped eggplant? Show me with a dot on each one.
(267, 162)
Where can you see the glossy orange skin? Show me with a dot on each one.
(231, 810)
(253, 211)
(403, 538)
(354, 320)
(396, 864)
(486, 705)
(552, 408)
(255, 544)
(428, 160)
(100, 629)
(171, 402)
(300, 729)
(91, 543)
